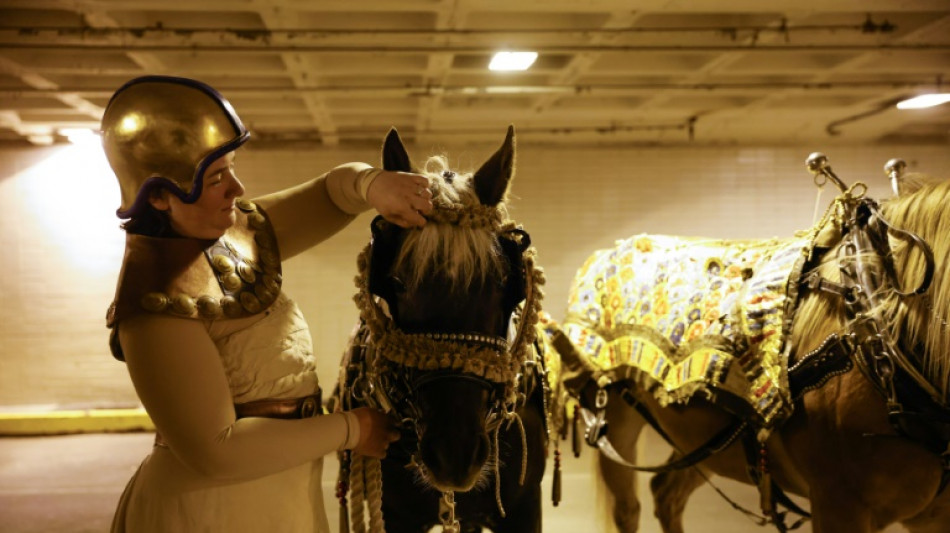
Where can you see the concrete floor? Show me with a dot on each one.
(71, 484)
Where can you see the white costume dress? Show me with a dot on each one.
(251, 474)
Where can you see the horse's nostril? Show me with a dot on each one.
(454, 462)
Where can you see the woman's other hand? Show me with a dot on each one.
(401, 198)
(377, 431)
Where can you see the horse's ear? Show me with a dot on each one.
(395, 156)
(491, 181)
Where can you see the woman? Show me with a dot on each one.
(219, 356)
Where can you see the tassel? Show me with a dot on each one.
(576, 436)
(344, 519)
(765, 484)
(342, 488)
(562, 427)
(556, 484)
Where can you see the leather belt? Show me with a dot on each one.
(287, 408)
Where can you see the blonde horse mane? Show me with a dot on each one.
(920, 323)
(465, 254)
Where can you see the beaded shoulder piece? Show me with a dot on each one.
(235, 276)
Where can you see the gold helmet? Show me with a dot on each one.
(163, 132)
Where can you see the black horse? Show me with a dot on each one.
(448, 344)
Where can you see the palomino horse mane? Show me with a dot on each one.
(920, 322)
(466, 254)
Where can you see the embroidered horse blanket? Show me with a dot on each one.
(686, 316)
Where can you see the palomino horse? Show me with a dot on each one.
(816, 365)
(447, 344)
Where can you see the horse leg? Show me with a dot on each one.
(621, 484)
(624, 428)
(671, 490)
(832, 513)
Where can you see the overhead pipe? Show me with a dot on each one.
(867, 27)
(497, 90)
(832, 127)
(614, 128)
(468, 49)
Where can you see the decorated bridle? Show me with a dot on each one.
(395, 364)
(473, 356)
(864, 232)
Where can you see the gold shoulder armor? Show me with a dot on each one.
(235, 276)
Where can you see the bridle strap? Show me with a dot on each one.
(426, 378)
(865, 281)
(884, 251)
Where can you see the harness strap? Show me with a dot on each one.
(813, 281)
(831, 358)
(929, 265)
(597, 436)
(866, 281)
(771, 493)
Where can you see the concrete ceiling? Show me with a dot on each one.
(652, 72)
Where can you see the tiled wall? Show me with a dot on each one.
(60, 246)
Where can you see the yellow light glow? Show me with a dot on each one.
(924, 100)
(72, 197)
(508, 61)
(131, 123)
(83, 136)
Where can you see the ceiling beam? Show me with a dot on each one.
(301, 72)
(565, 6)
(580, 64)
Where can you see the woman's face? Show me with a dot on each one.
(214, 212)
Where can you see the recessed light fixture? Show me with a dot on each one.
(508, 61)
(924, 100)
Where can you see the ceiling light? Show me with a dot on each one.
(924, 100)
(506, 61)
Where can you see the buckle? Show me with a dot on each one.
(308, 408)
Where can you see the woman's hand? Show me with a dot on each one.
(402, 198)
(377, 431)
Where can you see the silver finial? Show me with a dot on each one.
(817, 164)
(894, 169)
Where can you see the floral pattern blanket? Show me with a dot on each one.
(692, 316)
